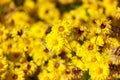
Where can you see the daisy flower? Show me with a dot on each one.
(99, 71)
(62, 28)
(54, 42)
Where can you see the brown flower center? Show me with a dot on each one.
(1, 65)
(61, 28)
(90, 47)
(102, 26)
(15, 76)
(1, 32)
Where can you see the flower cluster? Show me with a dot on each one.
(59, 39)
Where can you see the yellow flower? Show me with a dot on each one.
(45, 75)
(92, 58)
(29, 5)
(54, 69)
(41, 55)
(118, 13)
(98, 40)
(37, 30)
(29, 68)
(73, 18)
(54, 42)
(18, 18)
(99, 71)
(76, 16)
(19, 32)
(87, 48)
(48, 11)
(7, 46)
(1, 53)
(79, 63)
(66, 1)
(3, 65)
(3, 33)
(78, 33)
(110, 7)
(16, 74)
(113, 42)
(72, 46)
(16, 55)
(62, 27)
(103, 26)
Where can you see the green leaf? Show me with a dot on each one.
(71, 34)
(117, 79)
(81, 42)
(1, 9)
(86, 75)
(73, 53)
(29, 58)
(18, 2)
(68, 7)
(8, 57)
(87, 13)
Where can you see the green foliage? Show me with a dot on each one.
(18, 2)
(68, 7)
(86, 75)
(73, 53)
(117, 79)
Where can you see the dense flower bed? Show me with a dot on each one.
(59, 40)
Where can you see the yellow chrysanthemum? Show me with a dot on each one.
(92, 58)
(73, 18)
(29, 5)
(29, 67)
(98, 40)
(37, 30)
(103, 26)
(3, 66)
(16, 74)
(110, 7)
(48, 11)
(118, 13)
(45, 75)
(99, 71)
(66, 1)
(3, 33)
(87, 48)
(72, 46)
(113, 42)
(18, 18)
(54, 42)
(79, 63)
(62, 28)
(16, 55)
(39, 56)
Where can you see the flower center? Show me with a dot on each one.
(55, 42)
(1, 65)
(61, 28)
(15, 76)
(99, 70)
(94, 59)
(1, 32)
(90, 47)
